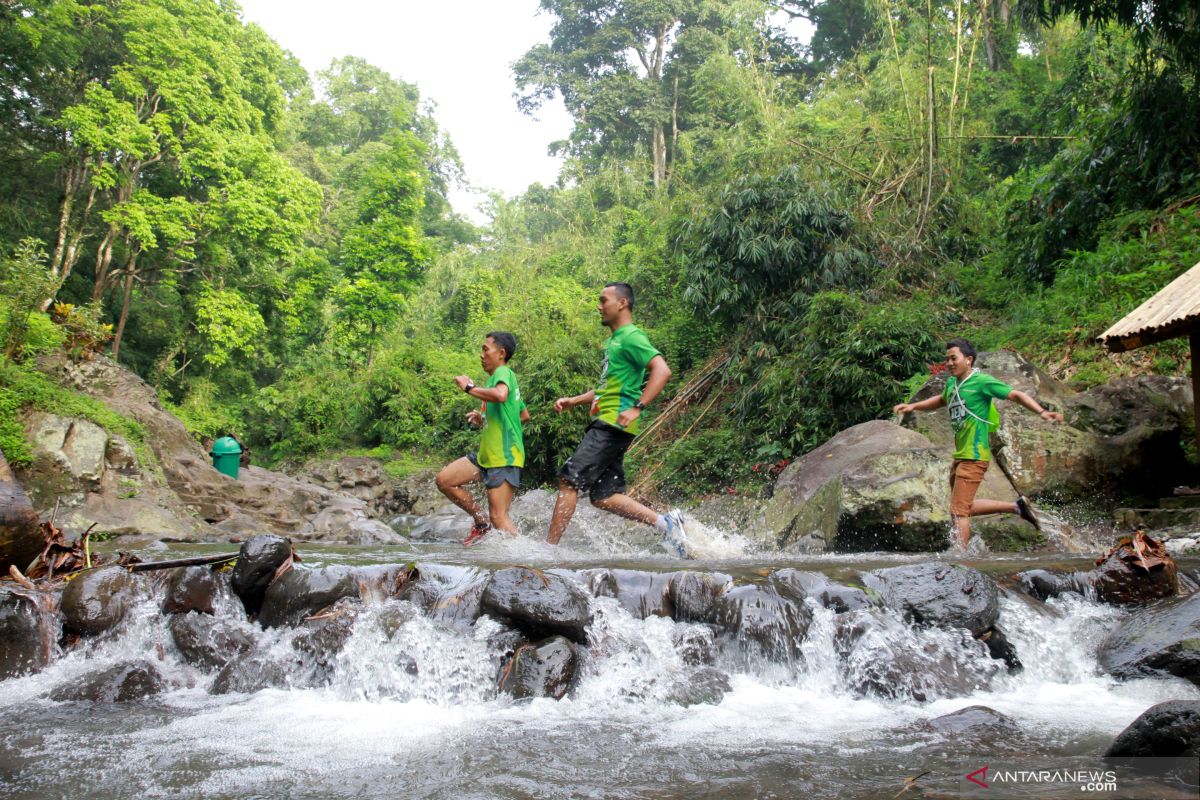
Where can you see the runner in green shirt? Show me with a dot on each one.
(501, 452)
(633, 374)
(969, 394)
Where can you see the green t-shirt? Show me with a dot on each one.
(972, 414)
(502, 443)
(626, 355)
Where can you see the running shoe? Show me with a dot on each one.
(478, 531)
(674, 538)
(1025, 511)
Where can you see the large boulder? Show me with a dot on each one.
(938, 594)
(190, 589)
(545, 669)
(96, 601)
(693, 594)
(300, 593)
(129, 680)
(1163, 639)
(538, 603)
(209, 642)
(822, 589)
(704, 685)
(1166, 730)
(1138, 570)
(875, 486)
(258, 560)
(975, 721)
(20, 535)
(77, 447)
(255, 671)
(357, 476)
(28, 633)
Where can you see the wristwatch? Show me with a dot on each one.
(470, 385)
(639, 405)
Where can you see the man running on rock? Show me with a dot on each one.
(969, 394)
(597, 465)
(501, 447)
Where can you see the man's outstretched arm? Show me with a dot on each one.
(1034, 406)
(928, 404)
(563, 403)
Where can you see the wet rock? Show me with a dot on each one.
(874, 486)
(320, 640)
(1121, 578)
(20, 537)
(545, 669)
(974, 721)
(883, 658)
(302, 592)
(131, 680)
(696, 644)
(423, 594)
(1157, 640)
(258, 559)
(1001, 648)
(938, 594)
(209, 642)
(1044, 584)
(190, 589)
(27, 634)
(253, 672)
(830, 594)
(762, 620)
(97, 601)
(704, 685)
(538, 603)
(1167, 730)
(459, 605)
(693, 595)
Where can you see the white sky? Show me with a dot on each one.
(459, 54)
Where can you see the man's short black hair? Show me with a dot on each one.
(506, 341)
(964, 347)
(623, 291)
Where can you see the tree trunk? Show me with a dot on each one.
(129, 275)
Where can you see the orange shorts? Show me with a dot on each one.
(965, 477)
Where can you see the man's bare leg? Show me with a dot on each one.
(625, 506)
(564, 509)
(499, 501)
(450, 482)
(962, 528)
(981, 507)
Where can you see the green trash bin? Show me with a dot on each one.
(226, 453)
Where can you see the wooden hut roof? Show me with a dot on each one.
(1174, 311)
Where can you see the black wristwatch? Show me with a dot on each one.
(468, 387)
(639, 405)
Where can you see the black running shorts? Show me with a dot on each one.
(598, 464)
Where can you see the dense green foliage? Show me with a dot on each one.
(805, 222)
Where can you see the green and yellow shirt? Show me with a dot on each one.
(973, 415)
(502, 443)
(627, 353)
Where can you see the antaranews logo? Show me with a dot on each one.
(1088, 780)
(979, 777)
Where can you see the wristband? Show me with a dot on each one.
(639, 405)
(470, 385)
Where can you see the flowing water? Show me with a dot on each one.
(412, 709)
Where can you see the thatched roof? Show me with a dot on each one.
(1174, 311)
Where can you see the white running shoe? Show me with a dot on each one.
(674, 538)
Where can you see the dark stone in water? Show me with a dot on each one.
(421, 593)
(300, 593)
(545, 669)
(975, 720)
(190, 589)
(828, 593)
(257, 561)
(1044, 584)
(1001, 649)
(97, 601)
(643, 594)
(26, 634)
(704, 685)
(1167, 730)
(320, 640)
(696, 644)
(538, 603)
(131, 680)
(1163, 639)
(693, 595)
(1119, 582)
(501, 645)
(209, 642)
(939, 594)
(253, 672)
(760, 618)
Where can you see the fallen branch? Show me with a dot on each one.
(195, 561)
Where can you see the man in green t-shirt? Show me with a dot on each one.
(501, 447)
(633, 374)
(969, 394)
